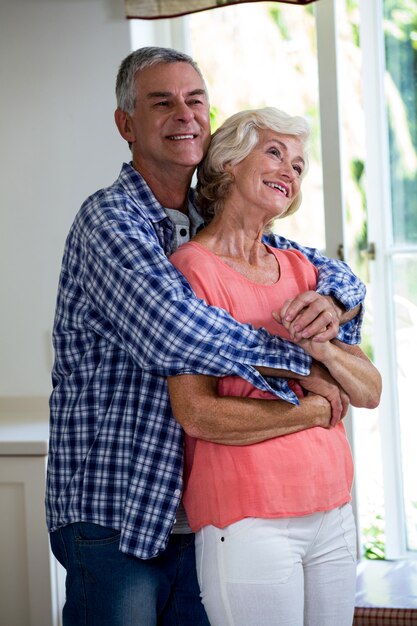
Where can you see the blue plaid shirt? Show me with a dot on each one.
(126, 319)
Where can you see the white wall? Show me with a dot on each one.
(58, 144)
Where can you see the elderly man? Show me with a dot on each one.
(125, 320)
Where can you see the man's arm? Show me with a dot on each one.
(319, 382)
(141, 302)
(239, 421)
(337, 281)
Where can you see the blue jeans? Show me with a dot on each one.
(105, 587)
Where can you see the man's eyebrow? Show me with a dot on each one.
(167, 94)
(197, 92)
(158, 94)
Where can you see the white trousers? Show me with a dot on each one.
(297, 571)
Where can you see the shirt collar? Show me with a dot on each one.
(137, 188)
(140, 193)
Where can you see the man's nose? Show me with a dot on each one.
(183, 112)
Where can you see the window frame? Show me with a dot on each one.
(378, 195)
(174, 33)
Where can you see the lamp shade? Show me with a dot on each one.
(154, 9)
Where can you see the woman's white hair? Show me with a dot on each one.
(232, 142)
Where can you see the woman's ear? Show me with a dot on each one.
(124, 125)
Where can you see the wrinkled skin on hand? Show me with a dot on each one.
(321, 383)
(310, 315)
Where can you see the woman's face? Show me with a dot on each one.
(269, 178)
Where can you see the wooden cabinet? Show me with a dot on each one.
(31, 580)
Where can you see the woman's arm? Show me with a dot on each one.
(351, 368)
(239, 421)
(337, 280)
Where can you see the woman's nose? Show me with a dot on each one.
(286, 169)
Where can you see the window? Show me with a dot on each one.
(259, 54)
(264, 54)
(388, 40)
(267, 54)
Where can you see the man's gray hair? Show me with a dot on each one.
(139, 60)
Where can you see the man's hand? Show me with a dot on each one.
(311, 315)
(322, 384)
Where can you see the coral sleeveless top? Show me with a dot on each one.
(287, 476)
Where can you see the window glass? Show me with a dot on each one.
(400, 25)
(401, 97)
(405, 300)
(264, 54)
(400, 276)
(368, 485)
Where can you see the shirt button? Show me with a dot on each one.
(183, 232)
(177, 493)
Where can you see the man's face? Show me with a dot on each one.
(171, 123)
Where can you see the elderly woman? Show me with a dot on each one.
(276, 541)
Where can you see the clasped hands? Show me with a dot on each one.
(310, 316)
(312, 321)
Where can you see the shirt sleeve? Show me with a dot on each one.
(335, 279)
(137, 298)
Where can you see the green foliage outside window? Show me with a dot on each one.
(374, 540)
(275, 13)
(214, 118)
(401, 62)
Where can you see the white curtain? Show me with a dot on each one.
(152, 9)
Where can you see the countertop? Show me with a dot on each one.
(24, 429)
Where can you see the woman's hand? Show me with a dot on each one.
(311, 315)
(319, 350)
(321, 383)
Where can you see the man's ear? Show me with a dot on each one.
(124, 125)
